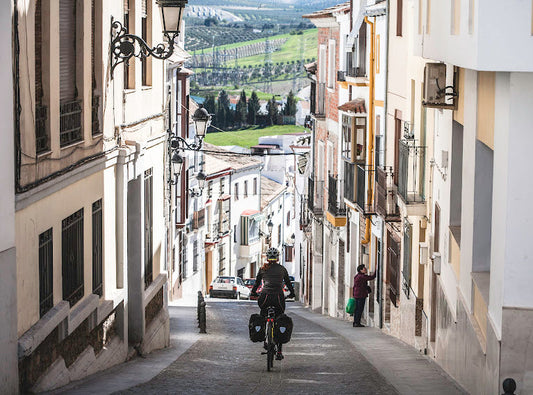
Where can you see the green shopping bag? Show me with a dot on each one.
(350, 306)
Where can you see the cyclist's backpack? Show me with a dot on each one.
(256, 326)
(283, 329)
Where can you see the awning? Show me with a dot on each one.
(378, 9)
(249, 212)
(355, 106)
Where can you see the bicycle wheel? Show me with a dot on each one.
(270, 346)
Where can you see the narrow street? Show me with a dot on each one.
(325, 355)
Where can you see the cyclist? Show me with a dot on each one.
(273, 275)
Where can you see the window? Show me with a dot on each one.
(399, 17)
(289, 218)
(97, 247)
(407, 251)
(146, 35)
(70, 107)
(289, 253)
(255, 186)
(397, 138)
(245, 189)
(195, 256)
(361, 52)
(148, 228)
(46, 278)
(209, 189)
(393, 272)
(234, 233)
(72, 257)
(332, 269)
(95, 98)
(347, 137)
(184, 257)
(222, 185)
(354, 138)
(221, 258)
(129, 69)
(236, 192)
(279, 233)
(42, 142)
(249, 230)
(455, 17)
(331, 64)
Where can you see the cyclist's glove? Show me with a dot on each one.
(291, 296)
(254, 294)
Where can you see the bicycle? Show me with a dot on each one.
(271, 346)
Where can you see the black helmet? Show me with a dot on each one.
(272, 254)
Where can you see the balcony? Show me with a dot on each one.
(41, 137)
(336, 214)
(386, 191)
(363, 197)
(70, 123)
(95, 122)
(315, 197)
(411, 172)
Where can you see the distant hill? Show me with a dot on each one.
(306, 5)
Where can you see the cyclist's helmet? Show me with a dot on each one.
(272, 254)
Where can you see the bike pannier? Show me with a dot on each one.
(256, 326)
(283, 329)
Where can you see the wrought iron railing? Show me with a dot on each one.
(72, 257)
(315, 197)
(335, 207)
(42, 143)
(70, 130)
(386, 194)
(349, 181)
(411, 172)
(363, 197)
(94, 114)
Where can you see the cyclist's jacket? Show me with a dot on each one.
(273, 279)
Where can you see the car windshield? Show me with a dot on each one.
(250, 281)
(225, 280)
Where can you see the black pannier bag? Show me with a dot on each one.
(283, 329)
(256, 326)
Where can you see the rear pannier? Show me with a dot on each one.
(256, 326)
(283, 329)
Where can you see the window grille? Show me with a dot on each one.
(97, 248)
(72, 257)
(46, 278)
(148, 228)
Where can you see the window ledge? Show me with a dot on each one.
(153, 288)
(44, 154)
(34, 336)
(456, 233)
(72, 145)
(82, 310)
(129, 90)
(146, 87)
(482, 282)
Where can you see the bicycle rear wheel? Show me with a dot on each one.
(270, 346)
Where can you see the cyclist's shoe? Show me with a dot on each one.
(279, 356)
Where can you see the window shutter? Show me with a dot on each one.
(38, 54)
(67, 49)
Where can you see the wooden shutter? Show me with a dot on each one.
(399, 17)
(38, 53)
(67, 49)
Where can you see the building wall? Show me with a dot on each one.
(8, 291)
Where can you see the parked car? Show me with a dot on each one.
(250, 282)
(228, 287)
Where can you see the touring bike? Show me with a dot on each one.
(271, 346)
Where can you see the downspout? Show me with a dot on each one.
(371, 110)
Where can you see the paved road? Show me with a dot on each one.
(225, 361)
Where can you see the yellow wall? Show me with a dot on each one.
(37, 218)
(480, 311)
(485, 107)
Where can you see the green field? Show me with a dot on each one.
(250, 137)
(289, 51)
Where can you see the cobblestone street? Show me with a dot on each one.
(226, 361)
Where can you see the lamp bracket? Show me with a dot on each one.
(177, 142)
(124, 46)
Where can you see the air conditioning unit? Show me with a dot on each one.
(436, 262)
(424, 249)
(434, 85)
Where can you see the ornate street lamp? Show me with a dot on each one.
(177, 163)
(201, 177)
(124, 45)
(201, 119)
(270, 226)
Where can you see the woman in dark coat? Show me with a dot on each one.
(360, 293)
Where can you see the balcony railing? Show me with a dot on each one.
(341, 76)
(411, 172)
(95, 121)
(315, 197)
(41, 137)
(335, 207)
(386, 195)
(363, 198)
(224, 226)
(70, 123)
(355, 72)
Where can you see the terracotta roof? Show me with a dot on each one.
(218, 159)
(266, 146)
(355, 106)
(326, 12)
(269, 190)
(310, 67)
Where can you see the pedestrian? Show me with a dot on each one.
(360, 293)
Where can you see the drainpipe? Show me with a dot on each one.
(371, 110)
